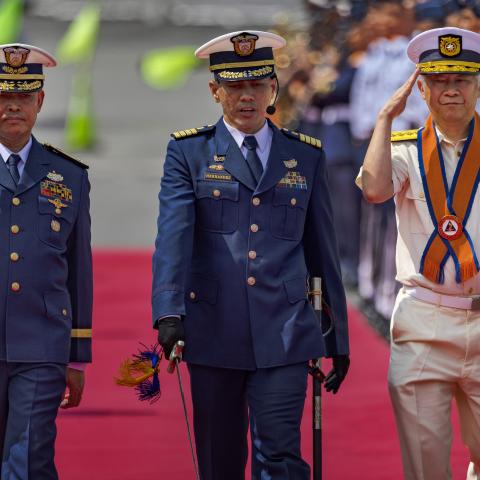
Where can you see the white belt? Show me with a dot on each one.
(463, 303)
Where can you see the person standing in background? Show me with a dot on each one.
(433, 173)
(45, 273)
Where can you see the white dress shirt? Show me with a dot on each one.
(264, 139)
(23, 153)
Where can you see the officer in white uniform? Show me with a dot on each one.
(433, 175)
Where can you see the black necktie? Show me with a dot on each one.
(12, 164)
(256, 167)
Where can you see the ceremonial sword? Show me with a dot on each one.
(174, 361)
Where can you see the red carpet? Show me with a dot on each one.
(112, 436)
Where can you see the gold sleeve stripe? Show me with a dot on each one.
(81, 333)
(404, 135)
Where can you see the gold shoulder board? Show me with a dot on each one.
(403, 135)
(314, 142)
(191, 131)
(59, 152)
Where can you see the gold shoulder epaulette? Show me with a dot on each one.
(191, 131)
(314, 142)
(57, 151)
(402, 135)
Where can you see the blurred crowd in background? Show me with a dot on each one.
(335, 77)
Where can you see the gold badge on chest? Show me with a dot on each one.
(55, 225)
(216, 166)
(290, 163)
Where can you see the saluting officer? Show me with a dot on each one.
(245, 219)
(45, 273)
(433, 173)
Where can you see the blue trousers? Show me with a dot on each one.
(225, 401)
(30, 394)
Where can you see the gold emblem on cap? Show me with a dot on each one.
(16, 56)
(55, 225)
(244, 44)
(450, 45)
(290, 163)
(54, 176)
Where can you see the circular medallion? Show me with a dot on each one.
(55, 225)
(450, 227)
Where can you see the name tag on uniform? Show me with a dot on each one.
(222, 177)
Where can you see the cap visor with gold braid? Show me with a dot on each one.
(243, 55)
(21, 67)
(446, 50)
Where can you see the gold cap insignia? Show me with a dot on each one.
(244, 44)
(290, 163)
(54, 176)
(16, 56)
(450, 45)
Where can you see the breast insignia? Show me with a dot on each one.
(403, 135)
(190, 132)
(314, 142)
(59, 152)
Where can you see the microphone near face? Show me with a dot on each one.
(271, 108)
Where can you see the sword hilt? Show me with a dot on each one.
(175, 356)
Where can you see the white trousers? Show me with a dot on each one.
(434, 357)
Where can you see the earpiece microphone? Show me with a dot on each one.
(271, 108)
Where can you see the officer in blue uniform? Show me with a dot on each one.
(245, 219)
(45, 273)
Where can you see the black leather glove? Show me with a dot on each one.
(170, 331)
(336, 375)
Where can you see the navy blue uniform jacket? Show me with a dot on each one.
(46, 289)
(233, 258)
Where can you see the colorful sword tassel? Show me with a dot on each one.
(141, 372)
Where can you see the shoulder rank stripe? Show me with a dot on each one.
(59, 152)
(314, 142)
(403, 135)
(191, 131)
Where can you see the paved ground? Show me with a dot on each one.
(180, 12)
(134, 122)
